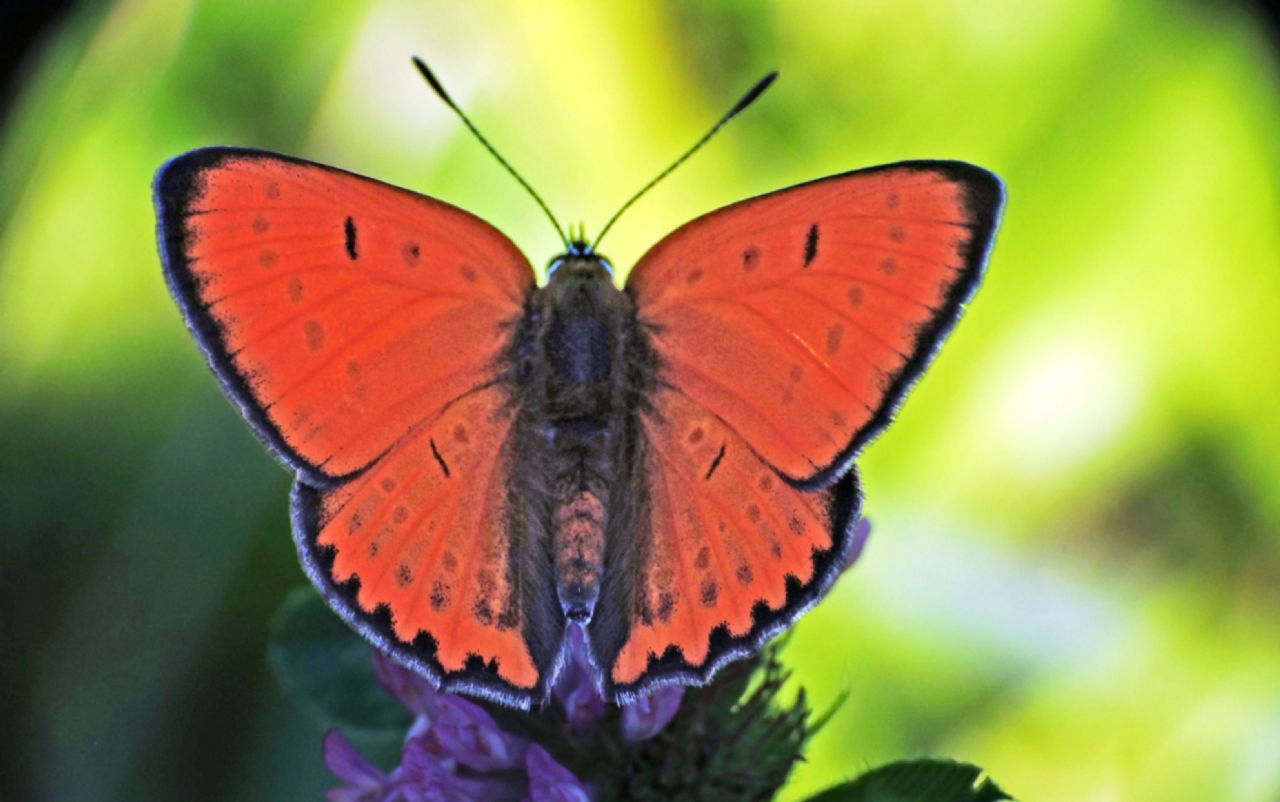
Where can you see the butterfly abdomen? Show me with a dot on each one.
(579, 553)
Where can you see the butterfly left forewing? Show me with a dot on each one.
(337, 310)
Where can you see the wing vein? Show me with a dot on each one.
(845, 317)
(280, 326)
(806, 349)
(415, 393)
(351, 342)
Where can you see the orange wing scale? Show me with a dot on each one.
(835, 294)
(363, 330)
(729, 544)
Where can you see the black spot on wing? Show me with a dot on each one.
(811, 245)
(435, 452)
(715, 463)
(350, 230)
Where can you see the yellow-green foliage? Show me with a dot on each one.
(1072, 578)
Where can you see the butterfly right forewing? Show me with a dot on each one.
(804, 316)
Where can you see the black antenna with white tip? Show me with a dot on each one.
(438, 88)
(747, 99)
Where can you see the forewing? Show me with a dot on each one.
(801, 318)
(727, 553)
(337, 311)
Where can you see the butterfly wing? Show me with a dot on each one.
(429, 555)
(803, 317)
(786, 330)
(335, 309)
(363, 330)
(728, 553)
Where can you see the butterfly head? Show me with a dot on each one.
(579, 264)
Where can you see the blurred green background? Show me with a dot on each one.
(1074, 576)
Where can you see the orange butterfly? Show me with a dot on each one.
(482, 462)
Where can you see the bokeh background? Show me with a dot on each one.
(1074, 575)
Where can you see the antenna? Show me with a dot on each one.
(747, 99)
(438, 88)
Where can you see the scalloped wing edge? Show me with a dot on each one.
(672, 669)
(376, 628)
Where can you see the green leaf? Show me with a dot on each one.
(327, 668)
(735, 739)
(917, 781)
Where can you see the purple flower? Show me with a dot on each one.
(470, 735)
(551, 782)
(576, 688)
(861, 530)
(645, 718)
(411, 690)
(456, 751)
(364, 782)
(426, 776)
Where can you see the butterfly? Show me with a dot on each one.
(483, 463)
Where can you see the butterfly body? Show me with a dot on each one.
(581, 366)
(483, 463)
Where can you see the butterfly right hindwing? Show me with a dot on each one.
(727, 552)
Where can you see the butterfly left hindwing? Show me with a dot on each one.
(429, 540)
